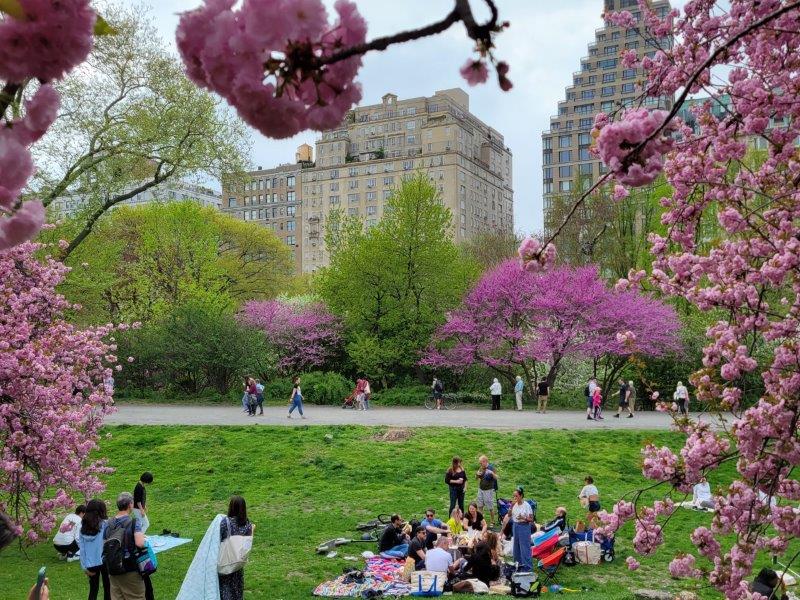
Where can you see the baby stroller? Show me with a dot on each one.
(607, 549)
(350, 401)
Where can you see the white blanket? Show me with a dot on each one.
(201, 581)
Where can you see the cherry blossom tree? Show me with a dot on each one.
(52, 394)
(302, 335)
(514, 317)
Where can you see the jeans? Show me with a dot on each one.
(399, 551)
(495, 402)
(366, 401)
(522, 546)
(297, 402)
(456, 497)
(682, 406)
(100, 572)
(148, 588)
(246, 402)
(260, 403)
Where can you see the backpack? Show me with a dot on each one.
(233, 552)
(438, 387)
(119, 542)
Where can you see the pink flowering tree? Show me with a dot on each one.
(743, 55)
(301, 336)
(514, 317)
(52, 394)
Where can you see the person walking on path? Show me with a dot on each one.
(681, 396)
(231, 587)
(487, 488)
(367, 393)
(543, 395)
(252, 394)
(438, 392)
(496, 390)
(518, 387)
(260, 396)
(521, 517)
(360, 394)
(128, 585)
(296, 400)
(246, 395)
(624, 399)
(588, 391)
(90, 541)
(456, 480)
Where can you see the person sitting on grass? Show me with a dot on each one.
(474, 518)
(65, 540)
(440, 560)
(484, 562)
(433, 527)
(560, 520)
(455, 522)
(416, 549)
(701, 494)
(393, 540)
(768, 584)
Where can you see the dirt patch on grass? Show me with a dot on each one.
(394, 435)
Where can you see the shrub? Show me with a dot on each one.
(319, 387)
(413, 395)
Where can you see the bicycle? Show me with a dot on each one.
(449, 402)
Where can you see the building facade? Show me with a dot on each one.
(359, 163)
(272, 198)
(168, 191)
(603, 84)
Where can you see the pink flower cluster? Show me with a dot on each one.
(683, 566)
(262, 58)
(302, 336)
(20, 221)
(54, 400)
(659, 464)
(47, 41)
(617, 143)
(536, 258)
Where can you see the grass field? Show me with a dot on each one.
(302, 489)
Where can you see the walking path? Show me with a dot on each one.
(172, 414)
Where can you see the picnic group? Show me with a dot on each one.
(359, 399)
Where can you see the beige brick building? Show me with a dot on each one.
(603, 84)
(272, 198)
(359, 163)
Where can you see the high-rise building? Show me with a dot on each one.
(167, 191)
(359, 163)
(603, 84)
(272, 198)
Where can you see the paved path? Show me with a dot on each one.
(171, 414)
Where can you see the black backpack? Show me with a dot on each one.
(119, 541)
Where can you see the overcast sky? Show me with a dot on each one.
(544, 45)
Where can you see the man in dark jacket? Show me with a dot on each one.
(768, 584)
(393, 539)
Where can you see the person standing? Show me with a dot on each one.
(496, 390)
(360, 394)
(521, 517)
(231, 586)
(590, 498)
(681, 396)
(587, 392)
(296, 400)
(456, 480)
(367, 393)
(140, 512)
(90, 541)
(128, 585)
(65, 540)
(543, 394)
(518, 387)
(260, 396)
(631, 397)
(624, 399)
(252, 395)
(487, 487)
(246, 395)
(438, 392)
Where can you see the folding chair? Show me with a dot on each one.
(545, 548)
(549, 565)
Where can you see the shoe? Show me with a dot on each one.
(288, 416)
(630, 416)
(302, 416)
(588, 418)
(166, 532)
(616, 416)
(600, 418)
(62, 557)
(73, 558)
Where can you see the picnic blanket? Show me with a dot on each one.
(689, 504)
(380, 575)
(162, 543)
(201, 581)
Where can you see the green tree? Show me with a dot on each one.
(491, 248)
(140, 261)
(131, 120)
(393, 283)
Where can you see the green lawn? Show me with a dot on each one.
(302, 489)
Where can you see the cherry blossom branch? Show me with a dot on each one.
(7, 95)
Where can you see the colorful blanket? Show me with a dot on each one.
(380, 575)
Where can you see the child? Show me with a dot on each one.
(597, 404)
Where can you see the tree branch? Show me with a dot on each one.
(7, 95)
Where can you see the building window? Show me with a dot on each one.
(615, 35)
(388, 180)
(628, 88)
(411, 139)
(592, 79)
(585, 124)
(629, 73)
(353, 184)
(582, 109)
(565, 156)
(372, 210)
(547, 143)
(583, 154)
(387, 194)
(408, 165)
(353, 212)
(334, 187)
(232, 202)
(584, 138)
(333, 200)
(353, 198)
(548, 188)
(607, 63)
(564, 141)
(290, 240)
(290, 181)
(290, 196)
(334, 173)
(547, 157)
(607, 106)
(609, 77)
(371, 195)
(565, 171)
(291, 211)
(631, 45)
(290, 225)
(353, 171)
(607, 90)
(565, 186)
(610, 50)
(548, 172)
(587, 94)
(585, 168)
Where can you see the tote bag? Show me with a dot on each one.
(233, 552)
(428, 583)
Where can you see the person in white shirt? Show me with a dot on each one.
(521, 517)
(590, 498)
(439, 559)
(496, 390)
(701, 494)
(65, 540)
(681, 396)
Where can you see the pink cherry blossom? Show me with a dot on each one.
(632, 563)
(475, 72)
(683, 566)
(48, 42)
(232, 51)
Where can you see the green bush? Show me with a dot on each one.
(413, 395)
(318, 387)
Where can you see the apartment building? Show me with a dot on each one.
(603, 84)
(168, 191)
(359, 163)
(272, 198)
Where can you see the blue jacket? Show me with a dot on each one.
(91, 548)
